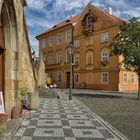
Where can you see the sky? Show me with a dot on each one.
(42, 14)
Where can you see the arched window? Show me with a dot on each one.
(89, 58)
(105, 55)
(76, 59)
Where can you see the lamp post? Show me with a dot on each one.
(71, 70)
(62, 69)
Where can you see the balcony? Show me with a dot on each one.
(87, 29)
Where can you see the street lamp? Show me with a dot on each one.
(71, 70)
(62, 69)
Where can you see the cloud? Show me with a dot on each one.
(43, 14)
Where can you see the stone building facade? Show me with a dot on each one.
(90, 34)
(16, 68)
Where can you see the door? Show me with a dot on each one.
(68, 79)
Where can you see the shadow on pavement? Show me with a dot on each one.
(103, 96)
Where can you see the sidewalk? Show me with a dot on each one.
(61, 119)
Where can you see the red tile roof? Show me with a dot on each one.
(75, 19)
(71, 20)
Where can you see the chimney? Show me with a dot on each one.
(108, 10)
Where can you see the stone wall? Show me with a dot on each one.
(19, 70)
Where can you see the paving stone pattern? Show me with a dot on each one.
(61, 119)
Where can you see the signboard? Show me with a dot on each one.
(1, 103)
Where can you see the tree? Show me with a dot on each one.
(127, 43)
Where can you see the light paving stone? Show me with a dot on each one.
(49, 116)
(80, 123)
(49, 123)
(79, 117)
(89, 133)
(49, 132)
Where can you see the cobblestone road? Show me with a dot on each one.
(61, 119)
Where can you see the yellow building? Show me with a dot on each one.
(90, 34)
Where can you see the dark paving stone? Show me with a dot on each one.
(83, 127)
(49, 127)
(33, 122)
(38, 111)
(48, 138)
(61, 111)
(87, 132)
(36, 116)
(105, 133)
(49, 131)
(68, 133)
(63, 116)
(90, 138)
(90, 116)
(49, 122)
(65, 123)
(96, 123)
(29, 132)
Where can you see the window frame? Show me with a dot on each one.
(105, 80)
(43, 43)
(59, 40)
(59, 57)
(51, 41)
(104, 37)
(50, 58)
(75, 76)
(125, 80)
(132, 78)
(68, 37)
(76, 44)
(59, 79)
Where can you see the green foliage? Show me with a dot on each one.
(127, 43)
(104, 63)
(23, 93)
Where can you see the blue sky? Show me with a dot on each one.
(43, 14)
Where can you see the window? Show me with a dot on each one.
(68, 36)
(51, 41)
(125, 77)
(59, 57)
(59, 76)
(105, 56)
(132, 78)
(105, 77)
(76, 44)
(89, 58)
(77, 78)
(44, 43)
(76, 59)
(50, 58)
(68, 57)
(59, 39)
(104, 37)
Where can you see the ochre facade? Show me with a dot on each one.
(16, 68)
(94, 68)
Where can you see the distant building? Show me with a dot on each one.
(16, 66)
(90, 32)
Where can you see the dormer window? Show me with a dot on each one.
(54, 26)
(68, 20)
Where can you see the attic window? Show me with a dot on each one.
(54, 26)
(68, 20)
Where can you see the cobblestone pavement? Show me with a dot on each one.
(61, 119)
